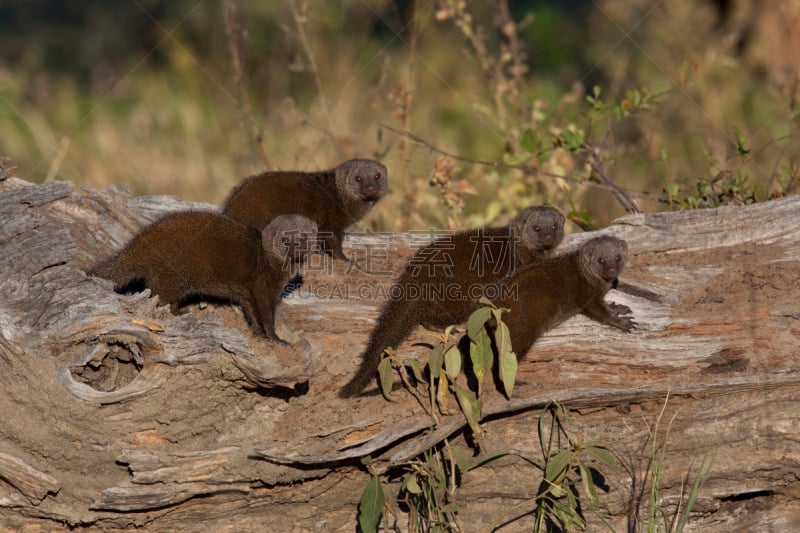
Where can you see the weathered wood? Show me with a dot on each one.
(29, 481)
(115, 413)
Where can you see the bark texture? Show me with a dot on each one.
(117, 414)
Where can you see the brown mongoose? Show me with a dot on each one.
(334, 198)
(545, 294)
(443, 281)
(195, 253)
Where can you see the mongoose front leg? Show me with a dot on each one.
(599, 310)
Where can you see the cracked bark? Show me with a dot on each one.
(115, 413)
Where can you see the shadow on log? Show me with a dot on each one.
(117, 414)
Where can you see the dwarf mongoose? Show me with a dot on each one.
(547, 293)
(197, 253)
(443, 281)
(334, 198)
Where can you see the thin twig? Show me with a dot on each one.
(500, 165)
(628, 203)
(300, 20)
(450, 490)
(233, 32)
(413, 390)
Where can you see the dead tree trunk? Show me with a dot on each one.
(116, 414)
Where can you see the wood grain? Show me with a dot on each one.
(116, 413)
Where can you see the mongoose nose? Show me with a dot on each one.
(547, 238)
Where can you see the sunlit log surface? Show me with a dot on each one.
(115, 413)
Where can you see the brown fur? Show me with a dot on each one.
(545, 294)
(198, 253)
(449, 276)
(334, 199)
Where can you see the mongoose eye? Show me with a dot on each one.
(555, 227)
(537, 228)
(602, 261)
(358, 179)
(377, 177)
(619, 259)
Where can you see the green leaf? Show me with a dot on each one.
(571, 140)
(462, 457)
(452, 362)
(497, 313)
(471, 406)
(530, 141)
(673, 189)
(568, 515)
(741, 142)
(411, 483)
(485, 301)
(370, 509)
(480, 353)
(557, 465)
(386, 377)
(588, 484)
(448, 508)
(468, 464)
(416, 369)
(477, 320)
(507, 358)
(700, 478)
(443, 392)
(435, 361)
(599, 452)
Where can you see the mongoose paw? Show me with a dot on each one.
(277, 340)
(626, 323)
(619, 309)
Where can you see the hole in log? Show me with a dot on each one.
(110, 366)
(744, 496)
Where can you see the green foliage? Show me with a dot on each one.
(424, 490)
(659, 520)
(566, 468)
(507, 359)
(634, 101)
(571, 468)
(429, 482)
(729, 188)
(385, 374)
(370, 509)
(480, 346)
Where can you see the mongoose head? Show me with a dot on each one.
(540, 228)
(603, 258)
(289, 238)
(362, 179)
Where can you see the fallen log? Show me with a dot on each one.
(116, 413)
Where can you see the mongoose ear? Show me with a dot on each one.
(518, 223)
(268, 238)
(344, 170)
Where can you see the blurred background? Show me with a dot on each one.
(478, 108)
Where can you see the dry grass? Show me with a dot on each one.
(458, 78)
